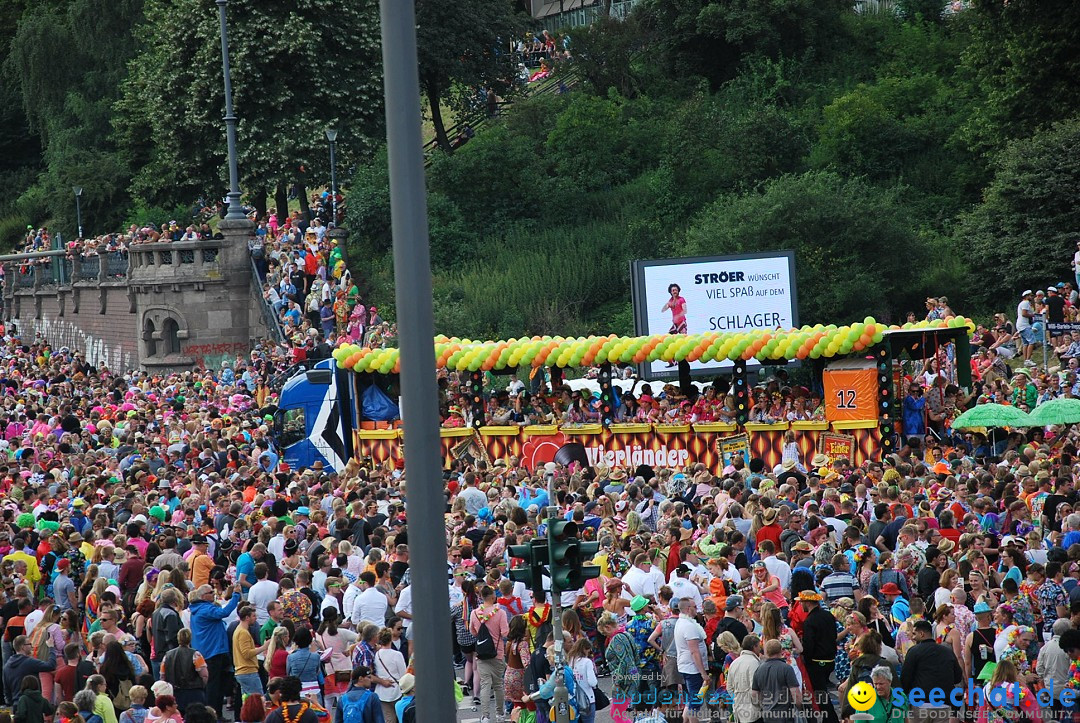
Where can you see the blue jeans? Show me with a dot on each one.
(587, 716)
(692, 683)
(250, 684)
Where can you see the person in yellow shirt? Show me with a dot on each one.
(200, 561)
(246, 654)
(18, 554)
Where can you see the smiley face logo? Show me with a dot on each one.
(862, 697)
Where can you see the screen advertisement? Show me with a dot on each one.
(713, 294)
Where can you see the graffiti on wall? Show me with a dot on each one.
(210, 356)
(60, 333)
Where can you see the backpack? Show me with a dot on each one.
(543, 632)
(581, 700)
(352, 709)
(41, 641)
(537, 668)
(485, 644)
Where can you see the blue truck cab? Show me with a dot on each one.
(313, 422)
(320, 407)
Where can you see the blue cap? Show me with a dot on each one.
(303, 511)
(982, 607)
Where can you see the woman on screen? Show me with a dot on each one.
(677, 306)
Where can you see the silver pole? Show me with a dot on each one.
(419, 403)
(561, 698)
(235, 213)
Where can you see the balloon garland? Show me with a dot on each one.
(813, 342)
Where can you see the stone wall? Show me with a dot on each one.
(97, 320)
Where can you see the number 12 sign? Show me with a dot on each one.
(850, 394)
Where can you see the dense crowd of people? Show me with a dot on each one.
(160, 562)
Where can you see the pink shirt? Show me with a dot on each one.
(497, 626)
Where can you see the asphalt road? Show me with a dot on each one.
(468, 714)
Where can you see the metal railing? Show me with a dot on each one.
(116, 265)
(562, 80)
(270, 317)
(89, 267)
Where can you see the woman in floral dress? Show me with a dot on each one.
(517, 659)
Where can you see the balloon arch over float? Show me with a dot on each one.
(855, 364)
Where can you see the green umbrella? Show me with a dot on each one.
(992, 415)
(1056, 411)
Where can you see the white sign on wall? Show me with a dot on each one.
(713, 294)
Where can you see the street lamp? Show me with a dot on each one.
(78, 207)
(235, 213)
(331, 135)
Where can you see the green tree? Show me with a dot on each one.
(1025, 231)
(298, 68)
(604, 52)
(856, 252)
(1025, 57)
(67, 59)
(464, 49)
(711, 38)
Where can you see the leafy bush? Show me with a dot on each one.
(1024, 231)
(856, 252)
(142, 215)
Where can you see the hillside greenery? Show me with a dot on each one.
(899, 153)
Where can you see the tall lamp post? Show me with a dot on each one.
(78, 207)
(331, 135)
(235, 213)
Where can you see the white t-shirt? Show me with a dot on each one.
(276, 546)
(32, 620)
(456, 595)
(640, 582)
(370, 607)
(688, 633)
(348, 600)
(330, 601)
(389, 664)
(781, 570)
(404, 605)
(260, 595)
(521, 590)
(1023, 322)
(657, 576)
(683, 588)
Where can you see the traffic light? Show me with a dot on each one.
(535, 555)
(580, 572)
(568, 557)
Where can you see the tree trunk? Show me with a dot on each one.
(260, 204)
(437, 121)
(281, 201)
(605, 8)
(305, 209)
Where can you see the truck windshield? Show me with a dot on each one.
(292, 426)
